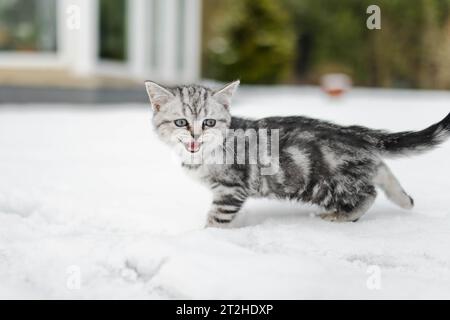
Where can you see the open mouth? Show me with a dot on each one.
(193, 146)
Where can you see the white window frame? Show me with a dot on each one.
(77, 50)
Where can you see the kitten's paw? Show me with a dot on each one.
(329, 216)
(338, 217)
(406, 202)
(213, 223)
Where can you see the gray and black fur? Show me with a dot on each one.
(335, 167)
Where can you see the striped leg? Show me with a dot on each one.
(226, 203)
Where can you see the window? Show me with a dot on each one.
(113, 29)
(28, 26)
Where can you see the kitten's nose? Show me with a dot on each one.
(195, 132)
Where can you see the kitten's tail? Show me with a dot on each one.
(414, 142)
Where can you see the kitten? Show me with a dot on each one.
(318, 162)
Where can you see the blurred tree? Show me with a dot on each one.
(412, 49)
(251, 40)
(406, 52)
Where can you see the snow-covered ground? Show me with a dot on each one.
(89, 194)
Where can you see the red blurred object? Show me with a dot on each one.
(335, 84)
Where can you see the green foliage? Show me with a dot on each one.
(412, 49)
(404, 53)
(253, 41)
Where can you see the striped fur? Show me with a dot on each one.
(335, 167)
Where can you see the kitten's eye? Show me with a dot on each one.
(209, 122)
(181, 122)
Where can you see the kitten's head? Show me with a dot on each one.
(191, 118)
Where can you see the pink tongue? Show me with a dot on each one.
(193, 146)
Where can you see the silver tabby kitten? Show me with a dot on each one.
(332, 166)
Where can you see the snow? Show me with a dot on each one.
(92, 205)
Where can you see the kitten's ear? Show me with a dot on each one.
(225, 94)
(157, 94)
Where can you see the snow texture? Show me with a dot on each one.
(92, 205)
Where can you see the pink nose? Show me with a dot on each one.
(195, 133)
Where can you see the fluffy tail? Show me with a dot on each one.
(413, 142)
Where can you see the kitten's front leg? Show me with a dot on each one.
(225, 206)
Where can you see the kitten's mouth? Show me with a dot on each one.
(193, 146)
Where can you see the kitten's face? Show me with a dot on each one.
(192, 119)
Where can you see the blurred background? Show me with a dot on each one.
(102, 50)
